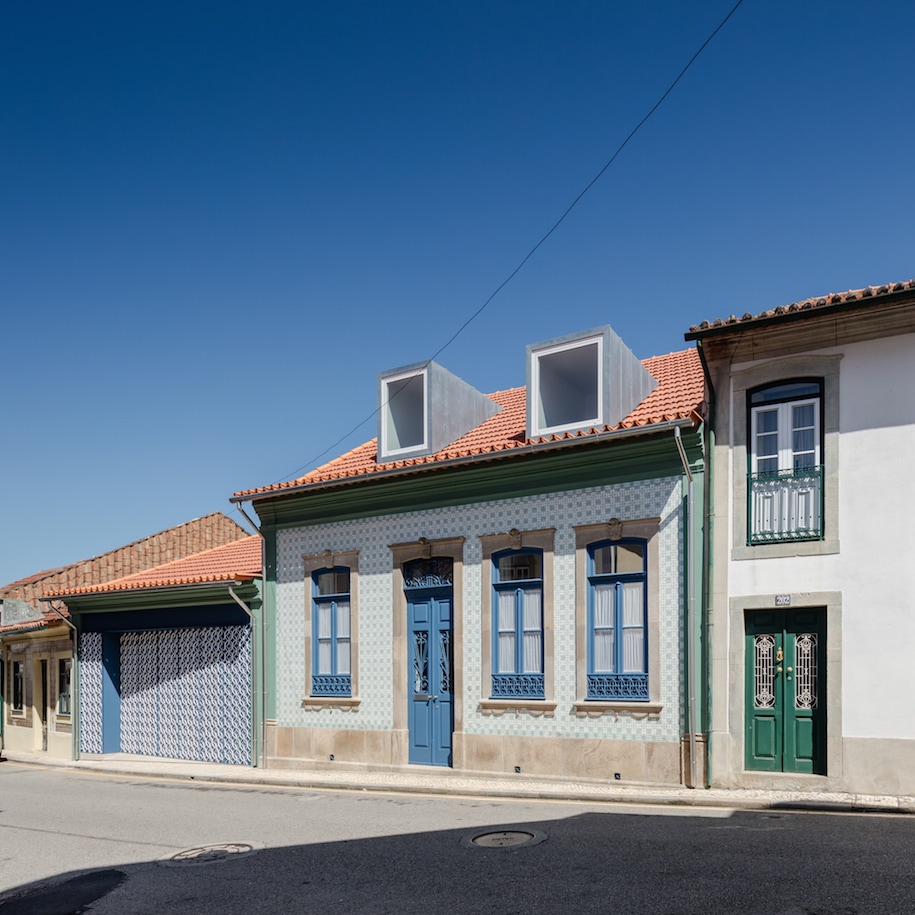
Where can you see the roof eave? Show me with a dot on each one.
(799, 313)
(244, 578)
(692, 420)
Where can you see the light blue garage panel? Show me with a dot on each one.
(184, 694)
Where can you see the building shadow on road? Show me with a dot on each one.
(664, 861)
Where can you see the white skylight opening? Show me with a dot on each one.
(567, 386)
(403, 425)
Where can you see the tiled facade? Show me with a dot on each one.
(373, 538)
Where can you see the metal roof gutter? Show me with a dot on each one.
(184, 586)
(469, 460)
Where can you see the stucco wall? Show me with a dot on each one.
(870, 569)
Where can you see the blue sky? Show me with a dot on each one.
(220, 221)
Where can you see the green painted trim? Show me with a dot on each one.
(269, 627)
(165, 599)
(250, 593)
(533, 473)
(697, 586)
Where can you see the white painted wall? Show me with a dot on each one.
(875, 568)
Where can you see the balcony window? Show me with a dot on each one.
(785, 491)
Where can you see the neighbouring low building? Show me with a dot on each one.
(36, 642)
(168, 658)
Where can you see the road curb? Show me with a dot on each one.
(479, 786)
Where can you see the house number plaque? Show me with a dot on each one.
(782, 600)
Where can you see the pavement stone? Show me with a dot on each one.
(423, 780)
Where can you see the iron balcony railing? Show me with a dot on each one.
(785, 505)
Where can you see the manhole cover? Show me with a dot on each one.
(506, 838)
(205, 854)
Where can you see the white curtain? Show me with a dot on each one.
(533, 632)
(633, 628)
(603, 628)
(343, 638)
(324, 643)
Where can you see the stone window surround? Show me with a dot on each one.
(646, 529)
(452, 548)
(318, 562)
(497, 543)
(771, 372)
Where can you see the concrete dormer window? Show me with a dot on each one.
(423, 408)
(567, 386)
(583, 381)
(403, 413)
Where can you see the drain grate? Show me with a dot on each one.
(207, 854)
(505, 838)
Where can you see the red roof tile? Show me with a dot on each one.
(238, 561)
(679, 395)
(864, 296)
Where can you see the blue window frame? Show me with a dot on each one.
(517, 611)
(330, 629)
(617, 620)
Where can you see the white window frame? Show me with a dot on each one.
(386, 453)
(536, 355)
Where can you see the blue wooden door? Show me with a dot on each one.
(430, 670)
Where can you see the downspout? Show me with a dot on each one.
(262, 742)
(691, 651)
(707, 542)
(259, 756)
(74, 683)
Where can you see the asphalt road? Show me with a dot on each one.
(73, 841)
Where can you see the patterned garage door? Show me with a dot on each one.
(186, 694)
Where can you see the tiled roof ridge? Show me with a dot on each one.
(243, 566)
(513, 401)
(813, 302)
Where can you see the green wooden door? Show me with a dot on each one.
(786, 691)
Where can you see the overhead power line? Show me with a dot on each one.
(549, 232)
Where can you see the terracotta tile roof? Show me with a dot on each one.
(238, 561)
(863, 296)
(678, 396)
(32, 579)
(183, 540)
